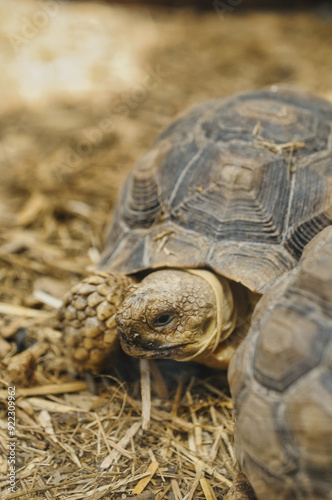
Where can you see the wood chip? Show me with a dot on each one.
(13, 310)
(162, 494)
(47, 390)
(195, 484)
(207, 489)
(145, 481)
(44, 404)
(46, 298)
(197, 431)
(176, 490)
(44, 418)
(146, 393)
(31, 209)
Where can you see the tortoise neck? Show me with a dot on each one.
(226, 309)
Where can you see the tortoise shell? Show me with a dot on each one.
(237, 185)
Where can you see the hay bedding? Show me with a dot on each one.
(83, 438)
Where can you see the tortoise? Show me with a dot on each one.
(220, 251)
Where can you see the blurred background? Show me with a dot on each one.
(87, 86)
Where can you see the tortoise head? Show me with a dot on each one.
(175, 314)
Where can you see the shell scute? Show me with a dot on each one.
(284, 353)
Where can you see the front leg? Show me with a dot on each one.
(281, 383)
(87, 319)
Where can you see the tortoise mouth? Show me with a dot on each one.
(139, 348)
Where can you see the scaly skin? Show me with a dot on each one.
(87, 318)
(181, 315)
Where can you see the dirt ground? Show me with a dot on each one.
(86, 88)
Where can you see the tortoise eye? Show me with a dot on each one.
(163, 320)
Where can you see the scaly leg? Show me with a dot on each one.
(87, 319)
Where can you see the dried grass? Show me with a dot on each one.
(93, 446)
